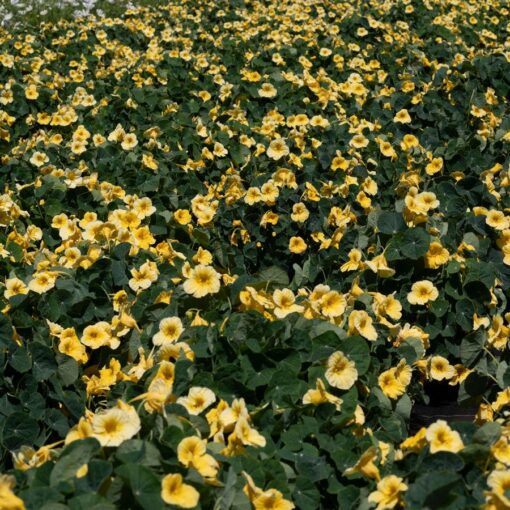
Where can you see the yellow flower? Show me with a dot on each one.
(297, 245)
(267, 90)
(31, 92)
(70, 345)
(440, 368)
(436, 165)
(358, 141)
(497, 220)
(129, 142)
(38, 159)
(175, 492)
(272, 499)
(341, 372)
(170, 329)
(379, 265)
(501, 450)
(499, 483)
(201, 281)
(442, 438)
(319, 395)
(354, 261)
(365, 465)
(113, 426)
(42, 281)
(332, 304)
(402, 117)
(415, 443)
(248, 435)
(436, 255)
(300, 213)
(9, 500)
(409, 142)
(390, 385)
(98, 335)
(284, 301)
(13, 287)
(148, 161)
(360, 323)
(198, 399)
(191, 452)
(277, 149)
(422, 292)
(388, 493)
(182, 216)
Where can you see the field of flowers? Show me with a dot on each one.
(255, 254)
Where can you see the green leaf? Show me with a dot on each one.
(411, 349)
(356, 349)
(415, 243)
(390, 222)
(144, 485)
(71, 459)
(19, 430)
(471, 347)
(431, 490)
(136, 451)
(68, 371)
(488, 433)
(43, 359)
(5, 331)
(275, 275)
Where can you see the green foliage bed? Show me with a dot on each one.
(240, 241)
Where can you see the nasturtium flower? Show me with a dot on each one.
(42, 282)
(182, 216)
(440, 368)
(390, 385)
(300, 213)
(319, 395)
(436, 256)
(422, 292)
(389, 492)
(13, 287)
(297, 245)
(501, 450)
(202, 280)
(99, 335)
(341, 372)
(247, 434)
(360, 323)
(497, 220)
(434, 166)
(365, 465)
(9, 500)
(38, 159)
(277, 149)
(170, 329)
(332, 304)
(113, 426)
(409, 142)
(359, 141)
(197, 400)
(267, 90)
(191, 452)
(499, 484)
(284, 301)
(442, 438)
(175, 492)
(272, 499)
(402, 116)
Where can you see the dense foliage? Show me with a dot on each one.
(239, 240)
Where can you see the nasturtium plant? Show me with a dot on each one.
(255, 254)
